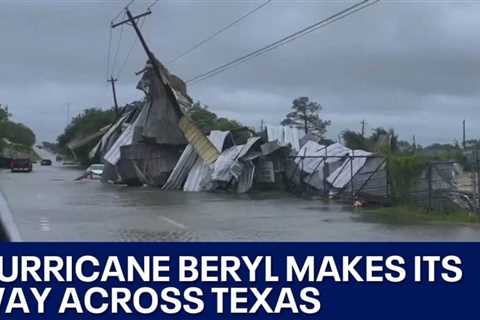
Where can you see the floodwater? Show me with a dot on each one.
(48, 205)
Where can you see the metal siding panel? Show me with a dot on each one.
(205, 149)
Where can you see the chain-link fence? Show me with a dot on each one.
(350, 178)
(440, 185)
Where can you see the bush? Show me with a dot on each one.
(404, 170)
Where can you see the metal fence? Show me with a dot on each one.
(437, 188)
(442, 185)
(468, 181)
(349, 178)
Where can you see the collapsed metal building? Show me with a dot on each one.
(155, 143)
(145, 143)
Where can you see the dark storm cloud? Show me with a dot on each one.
(411, 65)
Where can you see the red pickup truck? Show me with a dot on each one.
(21, 165)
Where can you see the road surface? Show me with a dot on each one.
(48, 205)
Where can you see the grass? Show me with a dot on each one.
(410, 214)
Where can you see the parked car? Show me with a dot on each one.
(95, 171)
(46, 162)
(21, 165)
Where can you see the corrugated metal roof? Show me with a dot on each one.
(80, 141)
(205, 149)
(126, 138)
(285, 136)
(106, 136)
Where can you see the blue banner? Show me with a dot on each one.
(239, 280)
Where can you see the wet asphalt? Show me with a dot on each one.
(48, 205)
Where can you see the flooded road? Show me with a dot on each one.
(48, 205)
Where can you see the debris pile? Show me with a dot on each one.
(155, 143)
(338, 171)
(144, 144)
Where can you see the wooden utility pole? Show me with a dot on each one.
(463, 137)
(132, 20)
(192, 133)
(112, 81)
(363, 128)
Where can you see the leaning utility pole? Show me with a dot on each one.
(112, 81)
(193, 134)
(132, 20)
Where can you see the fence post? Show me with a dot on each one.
(325, 173)
(302, 186)
(429, 181)
(477, 182)
(351, 177)
(387, 178)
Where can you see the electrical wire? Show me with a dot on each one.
(337, 16)
(114, 62)
(123, 10)
(152, 4)
(109, 53)
(323, 23)
(218, 32)
(110, 70)
(135, 41)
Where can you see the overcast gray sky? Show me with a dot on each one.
(410, 65)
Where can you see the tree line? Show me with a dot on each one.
(305, 115)
(15, 132)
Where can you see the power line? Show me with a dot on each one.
(152, 4)
(135, 41)
(109, 52)
(215, 34)
(110, 71)
(323, 23)
(114, 62)
(123, 10)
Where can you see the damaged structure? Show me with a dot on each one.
(339, 172)
(145, 143)
(155, 143)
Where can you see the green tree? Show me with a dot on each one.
(4, 114)
(17, 133)
(384, 140)
(208, 121)
(380, 140)
(354, 140)
(86, 123)
(305, 115)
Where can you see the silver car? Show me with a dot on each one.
(95, 171)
